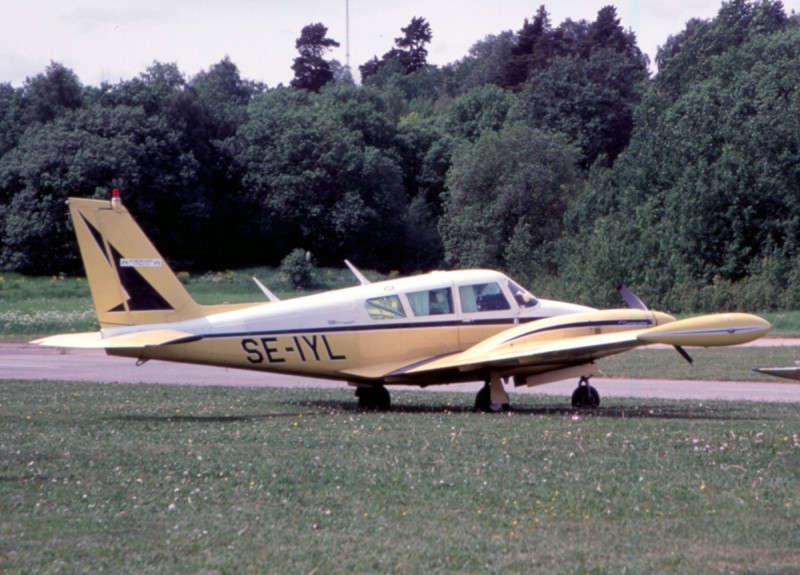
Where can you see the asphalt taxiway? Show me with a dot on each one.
(24, 361)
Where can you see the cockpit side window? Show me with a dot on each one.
(431, 302)
(386, 307)
(482, 297)
(523, 297)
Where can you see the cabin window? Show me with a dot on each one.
(523, 297)
(431, 302)
(482, 297)
(386, 307)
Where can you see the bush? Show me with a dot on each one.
(298, 268)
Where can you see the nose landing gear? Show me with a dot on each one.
(585, 396)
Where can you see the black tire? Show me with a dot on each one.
(483, 399)
(585, 397)
(383, 401)
(483, 402)
(376, 398)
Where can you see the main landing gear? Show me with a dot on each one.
(585, 396)
(374, 397)
(492, 397)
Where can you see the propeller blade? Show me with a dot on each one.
(631, 299)
(684, 354)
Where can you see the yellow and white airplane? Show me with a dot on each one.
(438, 328)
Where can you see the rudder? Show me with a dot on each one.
(130, 281)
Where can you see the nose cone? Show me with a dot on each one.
(760, 327)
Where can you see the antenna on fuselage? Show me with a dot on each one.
(270, 296)
(356, 272)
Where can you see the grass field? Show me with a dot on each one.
(150, 479)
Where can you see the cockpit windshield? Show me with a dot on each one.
(523, 297)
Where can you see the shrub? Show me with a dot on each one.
(298, 268)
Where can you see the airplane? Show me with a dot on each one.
(438, 328)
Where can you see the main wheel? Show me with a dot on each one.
(585, 397)
(376, 397)
(483, 401)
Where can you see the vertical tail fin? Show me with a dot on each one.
(131, 283)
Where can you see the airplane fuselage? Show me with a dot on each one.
(350, 333)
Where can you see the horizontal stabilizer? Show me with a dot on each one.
(137, 339)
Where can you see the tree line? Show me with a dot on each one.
(548, 152)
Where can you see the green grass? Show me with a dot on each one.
(784, 323)
(32, 307)
(150, 479)
(722, 364)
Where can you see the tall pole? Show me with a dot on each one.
(347, 32)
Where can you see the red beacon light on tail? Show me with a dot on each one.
(115, 199)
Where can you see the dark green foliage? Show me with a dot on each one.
(534, 46)
(311, 70)
(480, 110)
(321, 177)
(77, 154)
(11, 117)
(584, 80)
(298, 268)
(507, 195)
(412, 53)
(50, 94)
(704, 200)
(409, 55)
(480, 66)
(548, 152)
(591, 99)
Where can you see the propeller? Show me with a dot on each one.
(631, 298)
(633, 301)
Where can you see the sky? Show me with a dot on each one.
(113, 40)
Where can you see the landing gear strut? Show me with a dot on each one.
(585, 396)
(492, 397)
(375, 397)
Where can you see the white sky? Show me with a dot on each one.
(112, 40)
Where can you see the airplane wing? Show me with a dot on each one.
(528, 350)
(132, 340)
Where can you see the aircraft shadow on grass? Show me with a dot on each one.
(642, 411)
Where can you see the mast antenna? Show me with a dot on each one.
(347, 32)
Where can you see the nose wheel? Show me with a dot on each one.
(585, 396)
